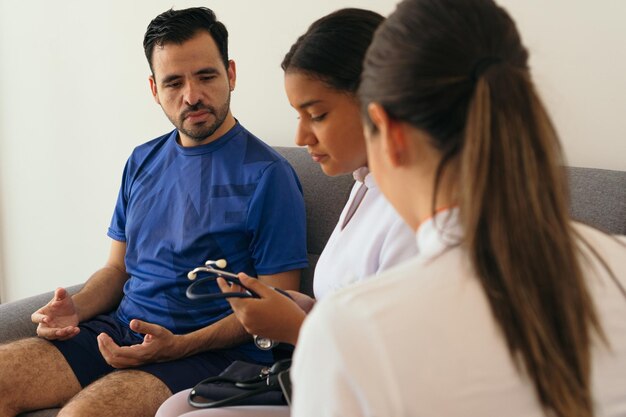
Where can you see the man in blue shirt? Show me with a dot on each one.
(207, 190)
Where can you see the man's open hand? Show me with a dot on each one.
(159, 345)
(58, 319)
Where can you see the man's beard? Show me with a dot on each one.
(202, 132)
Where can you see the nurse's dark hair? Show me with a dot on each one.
(178, 26)
(457, 70)
(333, 48)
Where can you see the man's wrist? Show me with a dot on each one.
(225, 333)
(77, 308)
(190, 344)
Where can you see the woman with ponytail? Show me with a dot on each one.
(510, 308)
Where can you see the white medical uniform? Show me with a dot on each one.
(421, 340)
(374, 239)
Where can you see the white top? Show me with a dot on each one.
(372, 241)
(421, 341)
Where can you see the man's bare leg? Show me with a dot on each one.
(34, 375)
(127, 393)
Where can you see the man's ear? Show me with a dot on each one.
(153, 89)
(391, 132)
(232, 74)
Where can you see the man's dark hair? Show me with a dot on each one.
(178, 26)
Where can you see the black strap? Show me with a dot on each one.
(241, 383)
(272, 397)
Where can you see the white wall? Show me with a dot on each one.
(578, 58)
(74, 101)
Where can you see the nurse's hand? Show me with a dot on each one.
(272, 315)
(57, 320)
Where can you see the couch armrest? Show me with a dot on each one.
(15, 316)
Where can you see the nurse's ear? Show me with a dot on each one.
(392, 134)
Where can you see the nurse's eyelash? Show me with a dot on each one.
(318, 118)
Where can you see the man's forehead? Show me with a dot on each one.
(201, 51)
(201, 46)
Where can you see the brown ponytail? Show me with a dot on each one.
(519, 237)
(457, 70)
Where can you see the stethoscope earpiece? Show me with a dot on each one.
(220, 263)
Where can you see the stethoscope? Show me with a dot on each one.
(211, 267)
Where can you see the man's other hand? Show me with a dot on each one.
(58, 319)
(159, 345)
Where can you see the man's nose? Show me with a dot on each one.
(192, 94)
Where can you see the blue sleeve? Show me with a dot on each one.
(117, 228)
(277, 221)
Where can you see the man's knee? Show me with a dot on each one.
(31, 363)
(15, 360)
(127, 392)
(24, 351)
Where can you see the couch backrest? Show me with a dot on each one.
(598, 198)
(324, 197)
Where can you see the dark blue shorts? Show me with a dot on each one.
(83, 355)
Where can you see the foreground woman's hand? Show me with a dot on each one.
(273, 315)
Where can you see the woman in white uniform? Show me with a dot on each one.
(322, 73)
(510, 308)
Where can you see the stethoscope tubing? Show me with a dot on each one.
(230, 277)
(193, 295)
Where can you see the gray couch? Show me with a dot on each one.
(598, 198)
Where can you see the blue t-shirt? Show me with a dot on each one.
(234, 198)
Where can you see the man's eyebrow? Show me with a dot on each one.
(203, 71)
(170, 78)
(309, 103)
(207, 71)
